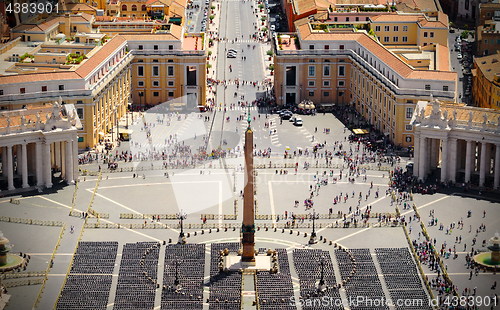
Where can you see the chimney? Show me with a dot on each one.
(67, 25)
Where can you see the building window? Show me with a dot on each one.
(326, 70)
(311, 71)
(311, 93)
(156, 71)
(170, 60)
(170, 93)
(44, 88)
(140, 47)
(408, 127)
(396, 28)
(377, 28)
(155, 47)
(387, 28)
(140, 70)
(341, 84)
(156, 94)
(1, 92)
(143, 7)
(170, 83)
(156, 60)
(357, 19)
(347, 19)
(395, 39)
(409, 113)
(79, 112)
(140, 83)
(311, 47)
(341, 47)
(427, 87)
(405, 28)
(61, 87)
(311, 83)
(80, 139)
(445, 88)
(336, 19)
(425, 34)
(431, 34)
(124, 8)
(341, 70)
(134, 7)
(326, 83)
(170, 47)
(170, 70)
(326, 94)
(156, 83)
(327, 47)
(405, 39)
(386, 39)
(22, 90)
(79, 102)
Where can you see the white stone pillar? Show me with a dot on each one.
(69, 161)
(416, 157)
(24, 165)
(423, 157)
(62, 154)
(39, 164)
(496, 180)
(4, 161)
(75, 158)
(452, 170)
(57, 150)
(468, 161)
(47, 163)
(444, 161)
(484, 164)
(10, 168)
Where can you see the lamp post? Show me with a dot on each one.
(281, 95)
(176, 280)
(141, 94)
(312, 240)
(181, 216)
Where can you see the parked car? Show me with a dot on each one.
(298, 121)
(273, 27)
(459, 56)
(231, 55)
(292, 119)
(232, 50)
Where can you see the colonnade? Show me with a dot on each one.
(38, 159)
(460, 159)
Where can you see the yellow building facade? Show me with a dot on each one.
(351, 68)
(486, 82)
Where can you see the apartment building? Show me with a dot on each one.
(410, 29)
(488, 29)
(168, 65)
(486, 82)
(342, 67)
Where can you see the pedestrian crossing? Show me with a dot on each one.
(246, 84)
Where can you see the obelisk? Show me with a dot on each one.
(248, 227)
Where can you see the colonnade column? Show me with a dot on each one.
(69, 162)
(4, 161)
(453, 160)
(484, 164)
(10, 168)
(47, 161)
(496, 179)
(39, 174)
(416, 148)
(24, 165)
(422, 159)
(468, 161)
(444, 161)
(74, 165)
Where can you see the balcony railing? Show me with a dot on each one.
(354, 57)
(149, 52)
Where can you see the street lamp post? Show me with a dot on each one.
(181, 216)
(312, 240)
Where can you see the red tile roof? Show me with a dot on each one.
(95, 60)
(37, 77)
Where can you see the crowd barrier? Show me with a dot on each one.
(225, 166)
(415, 256)
(30, 221)
(48, 267)
(134, 216)
(22, 274)
(74, 199)
(23, 283)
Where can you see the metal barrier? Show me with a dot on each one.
(22, 274)
(23, 282)
(415, 256)
(134, 216)
(31, 221)
(48, 267)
